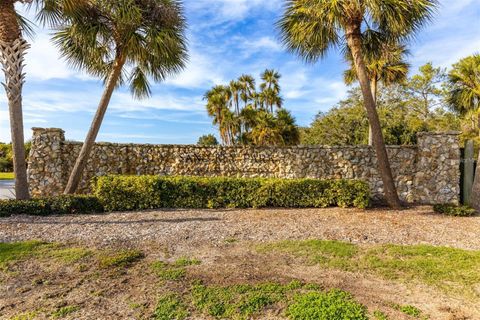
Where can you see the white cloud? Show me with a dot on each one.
(232, 10)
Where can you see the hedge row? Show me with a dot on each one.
(60, 205)
(124, 193)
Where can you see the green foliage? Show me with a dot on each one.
(120, 259)
(11, 252)
(51, 206)
(238, 301)
(402, 114)
(453, 210)
(255, 121)
(6, 156)
(379, 315)
(207, 140)
(152, 40)
(170, 307)
(334, 304)
(450, 269)
(122, 193)
(64, 311)
(175, 271)
(327, 253)
(410, 310)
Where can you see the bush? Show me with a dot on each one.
(51, 206)
(123, 193)
(453, 210)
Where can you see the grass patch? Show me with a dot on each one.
(121, 259)
(452, 270)
(70, 255)
(13, 252)
(379, 315)
(334, 304)
(170, 307)
(174, 271)
(64, 311)
(29, 315)
(7, 176)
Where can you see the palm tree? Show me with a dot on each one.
(122, 41)
(219, 99)
(13, 48)
(247, 84)
(271, 89)
(311, 27)
(385, 64)
(464, 86)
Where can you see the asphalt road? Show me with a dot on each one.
(7, 189)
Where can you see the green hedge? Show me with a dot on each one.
(51, 206)
(124, 193)
(453, 210)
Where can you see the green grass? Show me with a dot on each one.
(120, 259)
(174, 271)
(334, 304)
(170, 307)
(64, 311)
(7, 176)
(379, 315)
(452, 270)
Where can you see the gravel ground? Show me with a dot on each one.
(187, 229)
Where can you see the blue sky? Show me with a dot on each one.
(226, 39)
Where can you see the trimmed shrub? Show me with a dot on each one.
(51, 206)
(453, 210)
(123, 193)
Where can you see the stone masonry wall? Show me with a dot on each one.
(426, 173)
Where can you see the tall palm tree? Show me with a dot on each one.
(13, 48)
(271, 89)
(311, 27)
(219, 100)
(122, 41)
(385, 64)
(247, 83)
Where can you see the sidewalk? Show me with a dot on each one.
(7, 189)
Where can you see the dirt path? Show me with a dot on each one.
(187, 229)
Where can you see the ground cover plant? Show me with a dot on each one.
(123, 193)
(453, 210)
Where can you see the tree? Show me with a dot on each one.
(255, 122)
(464, 88)
(13, 48)
(426, 89)
(123, 41)
(385, 64)
(270, 90)
(207, 140)
(309, 28)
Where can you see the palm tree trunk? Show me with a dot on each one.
(80, 164)
(373, 86)
(12, 54)
(355, 44)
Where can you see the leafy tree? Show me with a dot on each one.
(426, 90)
(309, 28)
(122, 42)
(346, 123)
(207, 140)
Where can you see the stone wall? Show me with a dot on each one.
(426, 173)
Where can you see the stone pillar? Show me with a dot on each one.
(45, 163)
(438, 168)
